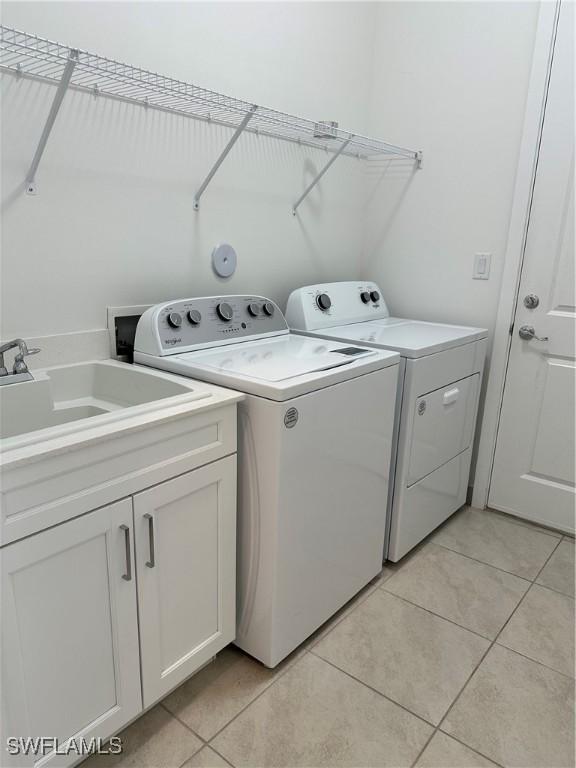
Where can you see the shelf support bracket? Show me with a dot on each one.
(54, 109)
(237, 133)
(318, 176)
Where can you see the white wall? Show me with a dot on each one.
(450, 78)
(113, 221)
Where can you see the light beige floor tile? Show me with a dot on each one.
(445, 752)
(558, 573)
(210, 699)
(516, 712)
(315, 715)
(406, 653)
(155, 740)
(491, 539)
(465, 591)
(206, 758)
(543, 629)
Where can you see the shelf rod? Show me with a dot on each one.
(237, 133)
(315, 181)
(54, 109)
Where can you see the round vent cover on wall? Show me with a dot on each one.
(224, 260)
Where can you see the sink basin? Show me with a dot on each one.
(73, 397)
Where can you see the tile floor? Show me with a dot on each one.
(462, 655)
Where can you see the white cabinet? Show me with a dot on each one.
(69, 631)
(186, 563)
(124, 601)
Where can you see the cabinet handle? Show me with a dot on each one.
(128, 575)
(152, 562)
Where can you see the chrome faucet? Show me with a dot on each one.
(20, 370)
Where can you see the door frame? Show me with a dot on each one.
(516, 244)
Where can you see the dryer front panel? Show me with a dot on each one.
(443, 426)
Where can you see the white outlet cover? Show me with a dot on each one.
(224, 260)
(482, 263)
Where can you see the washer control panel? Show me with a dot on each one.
(189, 324)
(330, 304)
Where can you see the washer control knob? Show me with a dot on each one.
(365, 296)
(225, 312)
(375, 296)
(253, 309)
(174, 319)
(324, 301)
(194, 316)
(268, 308)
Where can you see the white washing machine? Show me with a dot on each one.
(439, 385)
(315, 441)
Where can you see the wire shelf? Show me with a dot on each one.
(37, 57)
(32, 56)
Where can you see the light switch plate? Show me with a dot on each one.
(482, 263)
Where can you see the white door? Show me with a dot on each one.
(533, 474)
(70, 664)
(186, 565)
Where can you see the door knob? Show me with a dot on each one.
(531, 301)
(527, 333)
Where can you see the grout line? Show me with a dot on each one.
(551, 589)
(209, 746)
(205, 745)
(451, 707)
(192, 755)
(547, 561)
(476, 560)
(515, 520)
(464, 686)
(444, 618)
(534, 661)
(491, 640)
(192, 731)
(450, 736)
(299, 655)
(371, 688)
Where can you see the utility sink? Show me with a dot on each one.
(70, 398)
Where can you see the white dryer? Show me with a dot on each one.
(437, 403)
(315, 441)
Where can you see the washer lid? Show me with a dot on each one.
(277, 359)
(410, 338)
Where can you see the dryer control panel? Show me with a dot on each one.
(186, 325)
(329, 304)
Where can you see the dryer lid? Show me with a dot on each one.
(410, 338)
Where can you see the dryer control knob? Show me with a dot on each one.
(365, 296)
(254, 309)
(225, 312)
(324, 301)
(375, 296)
(194, 316)
(268, 308)
(174, 319)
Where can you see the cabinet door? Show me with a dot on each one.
(70, 632)
(186, 562)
